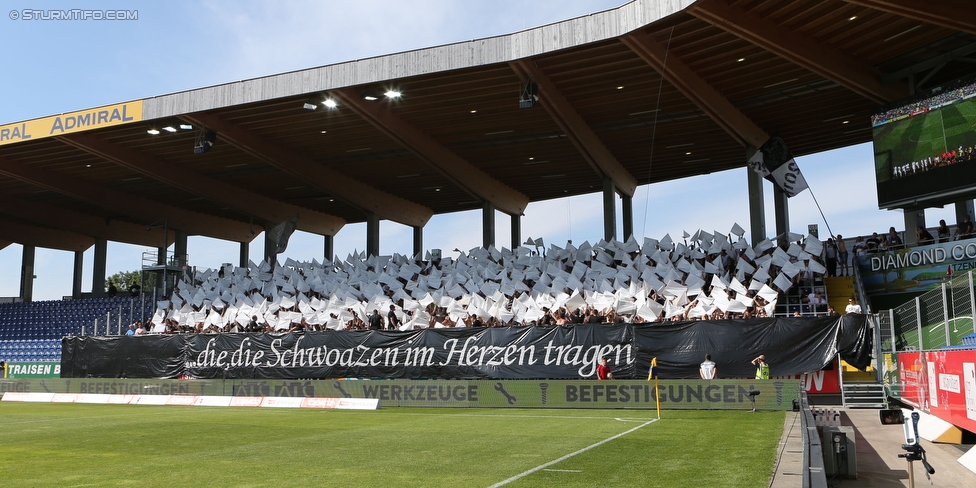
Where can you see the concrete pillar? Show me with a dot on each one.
(179, 248)
(269, 245)
(27, 274)
(609, 210)
(781, 205)
(487, 225)
(161, 255)
(627, 214)
(372, 234)
(418, 240)
(329, 248)
(245, 254)
(757, 206)
(516, 231)
(79, 270)
(98, 269)
(913, 219)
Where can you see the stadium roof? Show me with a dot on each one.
(734, 72)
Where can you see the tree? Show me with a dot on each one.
(123, 280)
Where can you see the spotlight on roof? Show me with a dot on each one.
(529, 95)
(204, 141)
(370, 97)
(186, 127)
(169, 128)
(330, 103)
(310, 105)
(392, 94)
(154, 132)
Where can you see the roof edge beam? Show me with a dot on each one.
(697, 90)
(944, 13)
(457, 169)
(45, 237)
(246, 201)
(829, 63)
(85, 224)
(138, 207)
(353, 191)
(583, 137)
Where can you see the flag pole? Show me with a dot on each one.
(657, 392)
(821, 211)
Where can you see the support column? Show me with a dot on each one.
(372, 234)
(488, 225)
(516, 231)
(329, 248)
(609, 210)
(913, 218)
(98, 269)
(161, 253)
(245, 254)
(627, 214)
(180, 248)
(79, 270)
(781, 205)
(418, 241)
(27, 273)
(757, 206)
(269, 246)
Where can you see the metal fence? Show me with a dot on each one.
(936, 319)
(116, 319)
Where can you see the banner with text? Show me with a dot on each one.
(635, 394)
(941, 383)
(915, 269)
(34, 370)
(69, 123)
(792, 346)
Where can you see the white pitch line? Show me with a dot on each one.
(564, 470)
(587, 448)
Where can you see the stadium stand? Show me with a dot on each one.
(664, 279)
(32, 331)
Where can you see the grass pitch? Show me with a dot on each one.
(924, 135)
(123, 445)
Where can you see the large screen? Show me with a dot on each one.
(925, 148)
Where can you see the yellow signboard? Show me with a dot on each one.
(82, 120)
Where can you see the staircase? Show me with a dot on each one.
(839, 289)
(860, 389)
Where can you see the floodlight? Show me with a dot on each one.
(169, 128)
(153, 131)
(392, 94)
(330, 103)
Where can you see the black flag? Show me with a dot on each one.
(775, 163)
(280, 233)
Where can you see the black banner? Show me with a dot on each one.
(791, 346)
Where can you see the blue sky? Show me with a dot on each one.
(56, 66)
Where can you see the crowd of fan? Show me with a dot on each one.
(707, 277)
(921, 106)
(892, 240)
